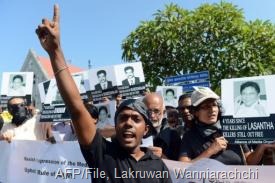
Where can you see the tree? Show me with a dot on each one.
(213, 37)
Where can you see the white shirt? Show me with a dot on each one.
(32, 129)
(255, 110)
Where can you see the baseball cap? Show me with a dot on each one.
(140, 107)
(200, 94)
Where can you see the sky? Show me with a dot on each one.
(91, 29)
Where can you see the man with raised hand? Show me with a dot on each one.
(122, 160)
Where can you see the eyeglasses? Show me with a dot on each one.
(185, 107)
(13, 107)
(154, 111)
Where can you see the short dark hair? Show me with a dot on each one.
(220, 106)
(184, 96)
(250, 84)
(19, 77)
(92, 110)
(170, 90)
(129, 67)
(102, 108)
(101, 72)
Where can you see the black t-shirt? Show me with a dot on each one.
(109, 159)
(169, 140)
(193, 144)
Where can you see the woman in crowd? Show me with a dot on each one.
(205, 139)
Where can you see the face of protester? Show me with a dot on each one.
(249, 96)
(101, 77)
(130, 129)
(184, 109)
(17, 83)
(208, 111)
(173, 118)
(129, 73)
(103, 115)
(155, 107)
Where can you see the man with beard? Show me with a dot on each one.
(24, 125)
(166, 141)
(122, 160)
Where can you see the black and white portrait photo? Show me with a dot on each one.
(129, 74)
(131, 79)
(106, 112)
(102, 78)
(17, 83)
(250, 99)
(103, 83)
(170, 94)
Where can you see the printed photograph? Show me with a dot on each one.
(129, 74)
(248, 97)
(170, 94)
(102, 79)
(17, 83)
(106, 113)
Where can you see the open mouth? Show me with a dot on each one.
(128, 135)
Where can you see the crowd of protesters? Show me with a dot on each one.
(186, 133)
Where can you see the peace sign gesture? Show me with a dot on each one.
(48, 32)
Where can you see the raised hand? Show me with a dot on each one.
(49, 35)
(48, 32)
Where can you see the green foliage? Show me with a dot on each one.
(213, 37)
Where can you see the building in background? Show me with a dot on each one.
(42, 71)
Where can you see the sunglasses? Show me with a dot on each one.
(185, 107)
(13, 107)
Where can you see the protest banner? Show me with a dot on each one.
(249, 115)
(39, 161)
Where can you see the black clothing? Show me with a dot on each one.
(111, 159)
(125, 82)
(109, 85)
(194, 142)
(169, 140)
(1, 122)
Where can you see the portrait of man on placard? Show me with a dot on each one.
(170, 94)
(250, 99)
(17, 85)
(131, 79)
(103, 83)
